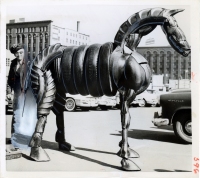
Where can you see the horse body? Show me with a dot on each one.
(99, 70)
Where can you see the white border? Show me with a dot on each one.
(194, 4)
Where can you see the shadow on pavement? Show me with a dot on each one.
(54, 146)
(167, 127)
(97, 151)
(152, 135)
(163, 170)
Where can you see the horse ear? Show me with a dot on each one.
(175, 11)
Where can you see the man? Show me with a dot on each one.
(24, 116)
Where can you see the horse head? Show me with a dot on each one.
(175, 35)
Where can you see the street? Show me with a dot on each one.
(96, 135)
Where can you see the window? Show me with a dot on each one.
(66, 40)
(70, 41)
(7, 62)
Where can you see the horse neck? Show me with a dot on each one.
(140, 23)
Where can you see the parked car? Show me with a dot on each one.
(148, 97)
(9, 103)
(176, 111)
(106, 102)
(78, 101)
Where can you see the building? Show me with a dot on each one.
(167, 62)
(38, 35)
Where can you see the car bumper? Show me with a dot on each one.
(87, 104)
(159, 121)
(107, 103)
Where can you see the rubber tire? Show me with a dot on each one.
(103, 107)
(142, 105)
(179, 130)
(85, 108)
(74, 105)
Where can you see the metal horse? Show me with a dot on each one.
(99, 70)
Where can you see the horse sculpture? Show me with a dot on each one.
(99, 70)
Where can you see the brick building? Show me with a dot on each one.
(40, 34)
(166, 61)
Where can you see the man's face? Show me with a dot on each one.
(20, 54)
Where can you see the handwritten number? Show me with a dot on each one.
(196, 170)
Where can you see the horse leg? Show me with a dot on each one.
(126, 96)
(37, 153)
(45, 94)
(58, 109)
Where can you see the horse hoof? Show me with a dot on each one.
(129, 154)
(132, 153)
(38, 154)
(66, 146)
(129, 165)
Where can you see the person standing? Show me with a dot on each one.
(24, 104)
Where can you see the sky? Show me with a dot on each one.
(101, 22)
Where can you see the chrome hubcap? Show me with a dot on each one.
(188, 127)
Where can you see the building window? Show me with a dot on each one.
(7, 62)
(70, 41)
(23, 38)
(66, 40)
(46, 37)
(76, 42)
(34, 42)
(7, 42)
(18, 38)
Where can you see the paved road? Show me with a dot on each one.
(96, 135)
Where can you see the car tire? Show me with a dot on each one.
(103, 107)
(142, 103)
(85, 108)
(70, 104)
(182, 125)
(153, 105)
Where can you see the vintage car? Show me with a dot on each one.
(106, 102)
(148, 97)
(78, 101)
(9, 103)
(176, 111)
